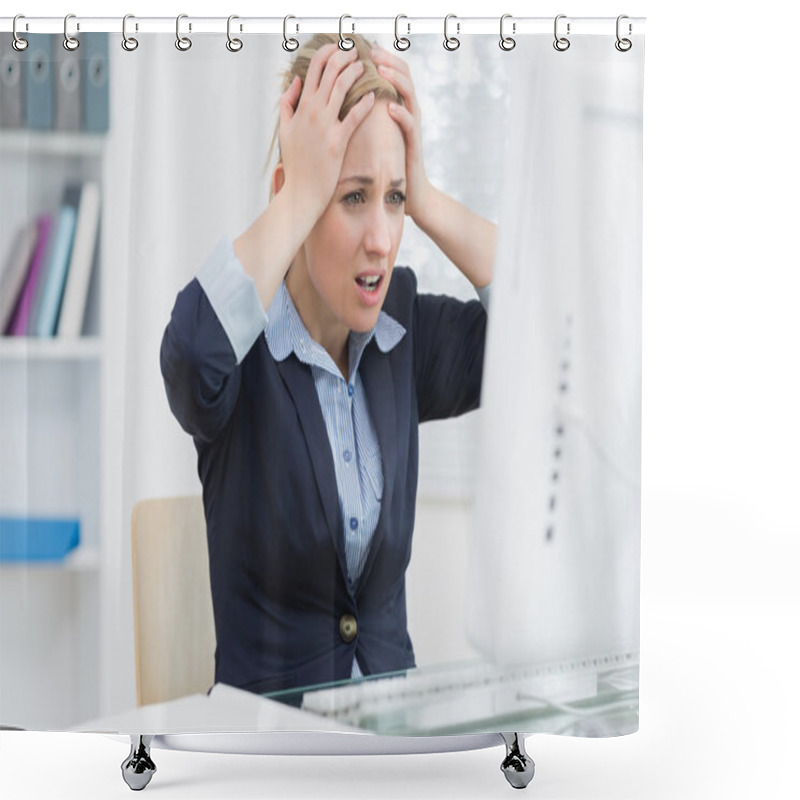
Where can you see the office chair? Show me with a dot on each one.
(173, 618)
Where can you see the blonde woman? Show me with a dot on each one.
(302, 361)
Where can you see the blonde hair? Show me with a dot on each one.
(370, 81)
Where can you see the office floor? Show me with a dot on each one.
(719, 705)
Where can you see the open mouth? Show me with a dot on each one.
(370, 283)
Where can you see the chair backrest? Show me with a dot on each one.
(173, 617)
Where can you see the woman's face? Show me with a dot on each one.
(350, 252)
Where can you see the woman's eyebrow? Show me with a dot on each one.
(367, 181)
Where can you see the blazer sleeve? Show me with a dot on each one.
(449, 339)
(215, 321)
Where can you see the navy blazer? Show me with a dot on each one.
(275, 534)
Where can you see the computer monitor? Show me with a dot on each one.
(554, 554)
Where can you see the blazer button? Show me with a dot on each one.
(348, 628)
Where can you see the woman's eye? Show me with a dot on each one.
(354, 198)
(397, 198)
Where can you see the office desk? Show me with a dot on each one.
(584, 697)
(594, 696)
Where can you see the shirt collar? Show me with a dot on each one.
(286, 333)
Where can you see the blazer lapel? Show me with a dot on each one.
(300, 382)
(376, 372)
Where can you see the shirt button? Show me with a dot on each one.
(347, 455)
(350, 390)
(348, 628)
(353, 523)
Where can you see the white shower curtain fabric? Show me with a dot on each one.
(525, 557)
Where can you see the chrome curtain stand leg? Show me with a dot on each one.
(138, 768)
(518, 766)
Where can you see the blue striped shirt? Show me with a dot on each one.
(354, 444)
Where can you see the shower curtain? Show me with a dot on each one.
(125, 173)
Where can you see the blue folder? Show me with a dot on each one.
(95, 82)
(37, 539)
(39, 82)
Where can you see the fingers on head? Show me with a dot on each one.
(357, 113)
(344, 82)
(340, 63)
(289, 98)
(317, 65)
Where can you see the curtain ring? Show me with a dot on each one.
(507, 42)
(183, 43)
(70, 42)
(345, 43)
(233, 45)
(19, 44)
(561, 43)
(451, 42)
(129, 43)
(289, 45)
(401, 42)
(623, 45)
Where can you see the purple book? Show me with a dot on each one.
(19, 321)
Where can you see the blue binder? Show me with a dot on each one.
(39, 84)
(11, 84)
(95, 82)
(67, 68)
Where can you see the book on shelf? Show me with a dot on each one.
(25, 539)
(79, 273)
(45, 284)
(49, 88)
(46, 322)
(15, 270)
(21, 316)
(42, 279)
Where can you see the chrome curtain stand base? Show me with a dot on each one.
(517, 766)
(138, 768)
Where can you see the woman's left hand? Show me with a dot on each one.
(408, 117)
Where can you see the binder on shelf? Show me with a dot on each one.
(11, 64)
(19, 321)
(46, 323)
(67, 84)
(15, 271)
(80, 266)
(24, 539)
(95, 82)
(38, 82)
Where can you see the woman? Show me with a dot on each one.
(302, 362)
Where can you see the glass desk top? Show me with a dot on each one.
(595, 697)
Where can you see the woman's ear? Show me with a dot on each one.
(278, 179)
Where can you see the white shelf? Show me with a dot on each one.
(55, 445)
(29, 348)
(82, 559)
(52, 143)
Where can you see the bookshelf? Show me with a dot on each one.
(54, 452)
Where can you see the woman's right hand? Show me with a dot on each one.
(313, 140)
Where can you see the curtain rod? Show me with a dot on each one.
(407, 26)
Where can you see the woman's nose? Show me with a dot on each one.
(377, 237)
